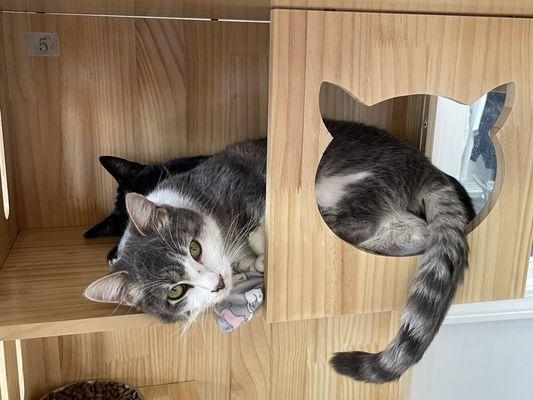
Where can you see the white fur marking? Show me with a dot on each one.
(330, 189)
(170, 197)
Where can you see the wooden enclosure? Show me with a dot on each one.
(416, 54)
(149, 89)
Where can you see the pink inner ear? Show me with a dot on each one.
(140, 210)
(111, 288)
(145, 215)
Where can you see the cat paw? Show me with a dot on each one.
(247, 264)
(260, 263)
(256, 239)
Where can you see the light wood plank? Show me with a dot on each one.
(408, 118)
(280, 361)
(9, 371)
(404, 116)
(8, 227)
(251, 350)
(479, 7)
(218, 9)
(42, 281)
(141, 357)
(336, 103)
(311, 273)
(259, 9)
(301, 351)
(174, 391)
(143, 89)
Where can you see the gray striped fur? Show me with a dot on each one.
(406, 206)
(373, 191)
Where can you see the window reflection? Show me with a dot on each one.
(462, 146)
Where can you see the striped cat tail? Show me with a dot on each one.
(448, 212)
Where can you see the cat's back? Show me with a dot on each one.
(240, 168)
(251, 153)
(355, 144)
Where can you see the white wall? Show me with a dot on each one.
(478, 361)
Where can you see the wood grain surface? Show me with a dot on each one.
(147, 90)
(153, 89)
(173, 391)
(260, 9)
(142, 357)
(10, 388)
(312, 273)
(259, 361)
(42, 282)
(300, 368)
(219, 9)
(480, 7)
(8, 227)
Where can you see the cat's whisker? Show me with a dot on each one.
(115, 309)
(203, 321)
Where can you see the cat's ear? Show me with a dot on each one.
(112, 288)
(122, 170)
(145, 215)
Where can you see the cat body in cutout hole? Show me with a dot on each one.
(138, 178)
(373, 190)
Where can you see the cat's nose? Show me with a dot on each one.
(220, 284)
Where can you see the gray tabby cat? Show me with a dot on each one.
(195, 230)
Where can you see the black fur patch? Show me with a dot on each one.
(137, 178)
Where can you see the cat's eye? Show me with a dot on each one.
(195, 249)
(177, 292)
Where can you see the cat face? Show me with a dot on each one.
(172, 263)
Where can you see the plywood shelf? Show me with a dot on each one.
(42, 281)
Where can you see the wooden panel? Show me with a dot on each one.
(9, 371)
(142, 357)
(403, 116)
(495, 7)
(259, 9)
(279, 361)
(311, 273)
(42, 282)
(222, 9)
(143, 89)
(251, 350)
(338, 104)
(8, 227)
(301, 351)
(408, 119)
(175, 391)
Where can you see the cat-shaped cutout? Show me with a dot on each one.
(458, 139)
(384, 196)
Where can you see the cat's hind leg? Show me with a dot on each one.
(354, 230)
(398, 234)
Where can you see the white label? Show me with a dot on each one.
(42, 44)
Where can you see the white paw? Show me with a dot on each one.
(246, 264)
(260, 263)
(256, 239)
